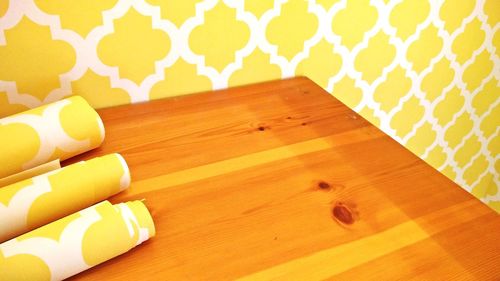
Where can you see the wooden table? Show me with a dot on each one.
(282, 181)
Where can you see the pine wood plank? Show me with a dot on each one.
(280, 180)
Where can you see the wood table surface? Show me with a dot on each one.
(281, 181)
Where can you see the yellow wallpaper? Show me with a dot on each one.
(426, 72)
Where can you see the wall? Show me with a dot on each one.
(425, 72)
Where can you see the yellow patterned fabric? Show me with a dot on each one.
(59, 130)
(426, 72)
(26, 174)
(75, 243)
(31, 203)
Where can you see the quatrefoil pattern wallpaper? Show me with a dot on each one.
(426, 72)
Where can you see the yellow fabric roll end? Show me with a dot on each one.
(143, 216)
(75, 243)
(78, 118)
(110, 175)
(59, 130)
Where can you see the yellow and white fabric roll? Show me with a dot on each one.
(77, 242)
(26, 174)
(58, 130)
(31, 203)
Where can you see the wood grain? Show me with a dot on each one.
(280, 181)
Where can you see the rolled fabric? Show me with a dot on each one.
(31, 203)
(59, 130)
(77, 242)
(26, 174)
